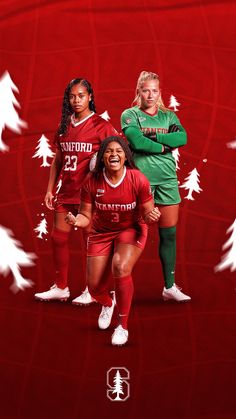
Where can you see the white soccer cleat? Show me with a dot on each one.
(174, 293)
(120, 336)
(54, 293)
(104, 319)
(84, 299)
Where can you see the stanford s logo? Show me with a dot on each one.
(118, 384)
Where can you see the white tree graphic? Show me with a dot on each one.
(93, 162)
(12, 257)
(192, 184)
(174, 103)
(8, 115)
(175, 154)
(43, 150)
(41, 228)
(117, 386)
(228, 260)
(105, 115)
(231, 144)
(58, 186)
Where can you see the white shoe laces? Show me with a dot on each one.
(120, 330)
(105, 312)
(84, 294)
(177, 288)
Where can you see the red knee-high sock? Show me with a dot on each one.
(60, 256)
(124, 294)
(101, 295)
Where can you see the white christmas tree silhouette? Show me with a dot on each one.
(58, 187)
(41, 228)
(175, 154)
(12, 257)
(105, 116)
(192, 184)
(43, 150)
(117, 386)
(93, 162)
(232, 144)
(8, 115)
(229, 258)
(174, 103)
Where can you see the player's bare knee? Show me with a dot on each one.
(121, 269)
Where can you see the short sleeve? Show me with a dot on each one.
(56, 142)
(104, 128)
(86, 191)
(109, 130)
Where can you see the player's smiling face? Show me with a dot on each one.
(114, 157)
(149, 93)
(79, 100)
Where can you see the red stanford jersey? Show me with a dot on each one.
(116, 206)
(77, 146)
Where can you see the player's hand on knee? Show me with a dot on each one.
(156, 213)
(70, 219)
(153, 216)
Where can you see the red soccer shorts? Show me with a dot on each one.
(73, 208)
(103, 244)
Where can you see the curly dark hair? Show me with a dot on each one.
(66, 108)
(125, 146)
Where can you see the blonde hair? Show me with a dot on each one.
(145, 76)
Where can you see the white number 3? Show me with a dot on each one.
(115, 217)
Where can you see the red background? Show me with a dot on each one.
(181, 358)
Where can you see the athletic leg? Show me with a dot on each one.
(97, 282)
(167, 251)
(167, 241)
(98, 287)
(124, 259)
(60, 237)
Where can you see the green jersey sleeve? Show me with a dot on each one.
(173, 139)
(134, 135)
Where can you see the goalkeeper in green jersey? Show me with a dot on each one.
(153, 131)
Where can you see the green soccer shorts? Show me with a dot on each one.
(166, 193)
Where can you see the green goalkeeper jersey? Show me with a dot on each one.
(159, 168)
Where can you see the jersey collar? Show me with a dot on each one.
(150, 114)
(112, 185)
(75, 124)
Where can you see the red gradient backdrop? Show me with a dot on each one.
(181, 358)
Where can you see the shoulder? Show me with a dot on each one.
(135, 174)
(130, 111)
(102, 124)
(98, 120)
(165, 112)
(137, 178)
(168, 112)
(168, 115)
(129, 117)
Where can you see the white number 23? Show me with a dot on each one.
(70, 163)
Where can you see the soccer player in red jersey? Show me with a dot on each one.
(120, 199)
(78, 137)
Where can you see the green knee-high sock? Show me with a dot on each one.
(167, 253)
